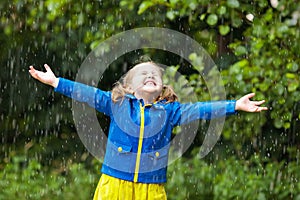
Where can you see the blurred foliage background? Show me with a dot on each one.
(255, 45)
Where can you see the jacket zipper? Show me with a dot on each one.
(140, 144)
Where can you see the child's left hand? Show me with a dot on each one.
(245, 104)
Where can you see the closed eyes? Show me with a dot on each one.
(146, 73)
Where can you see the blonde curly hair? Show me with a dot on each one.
(122, 87)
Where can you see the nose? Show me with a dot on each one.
(150, 75)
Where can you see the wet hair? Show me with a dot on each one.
(122, 87)
(142, 59)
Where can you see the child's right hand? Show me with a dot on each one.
(47, 77)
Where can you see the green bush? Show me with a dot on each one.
(27, 179)
(233, 179)
(191, 178)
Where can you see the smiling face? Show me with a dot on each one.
(146, 81)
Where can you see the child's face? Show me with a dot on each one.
(146, 80)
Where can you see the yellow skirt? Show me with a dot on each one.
(110, 188)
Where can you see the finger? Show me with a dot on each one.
(47, 68)
(259, 109)
(31, 70)
(264, 108)
(250, 95)
(35, 74)
(257, 103)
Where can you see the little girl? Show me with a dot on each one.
(135, 163)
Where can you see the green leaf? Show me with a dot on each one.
(281, 101)
(224, 29)
(174, 2)
(263, 4)
(233, 3)
(258, 30)
(144, 6)
(279, 89)
(287, 125)
(243, 63)
(282, 28)
(197, 62)
(8, 30)
(278, 123)
(240, 50)
(269, 15)
(202, 17)
(193, 56)
(212, 19)
(171, 15)
(193, 5)
(293, 86)
(258, 44)
(261, 196)
(222, 10)
(290, 75)
(292, 66)
(263, 86)
(236, 21)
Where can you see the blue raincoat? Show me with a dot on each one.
(139, 134)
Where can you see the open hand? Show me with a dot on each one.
(47, 77)
(245, 104)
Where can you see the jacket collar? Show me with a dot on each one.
(155, 104)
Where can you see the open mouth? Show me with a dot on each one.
(150, 83)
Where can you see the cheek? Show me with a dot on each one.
(134, 85)
(160, 82)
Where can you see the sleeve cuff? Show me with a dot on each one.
(55, 88)
(230, 108)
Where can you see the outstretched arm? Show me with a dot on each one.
(47, 77)
(245, 104)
